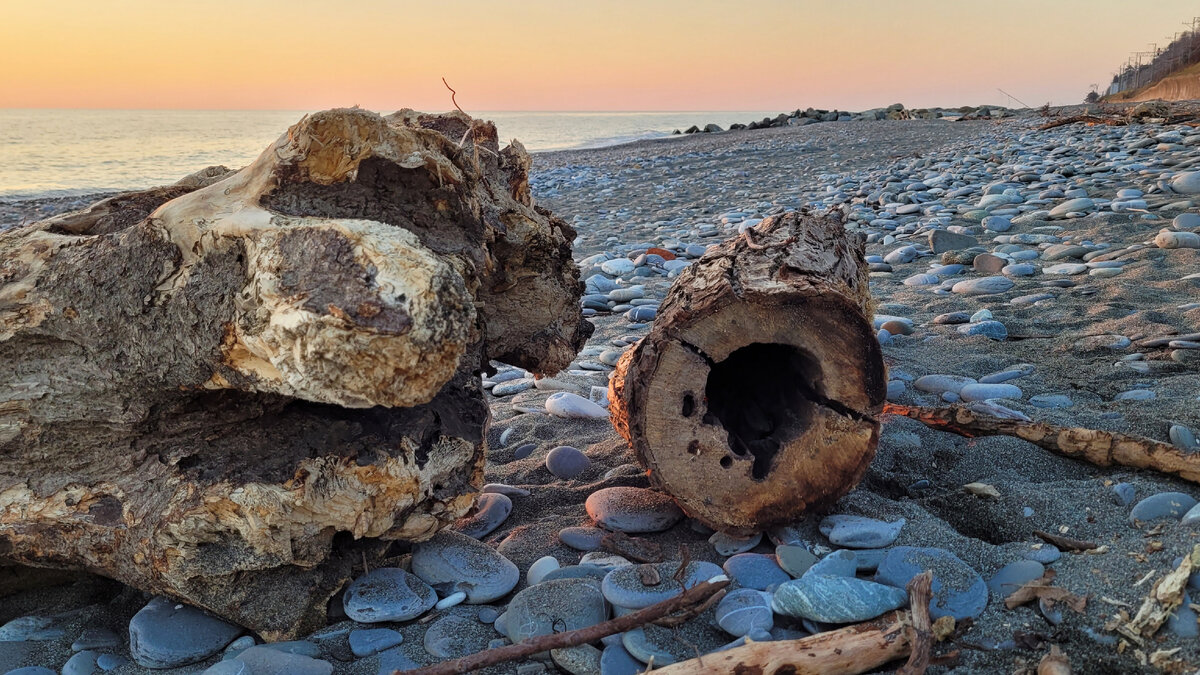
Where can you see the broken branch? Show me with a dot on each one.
(691, 597)
(1102, 448)
(920, 591)
(1066, 543)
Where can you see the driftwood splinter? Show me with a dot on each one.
(753, 397)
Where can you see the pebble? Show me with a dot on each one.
(860, 532)
(491, 510)
(573, 406)
(990, 329)
(97, 638)
(727, 545)
(1014, 575)
(387, 594)
(581, 538)
(82, 663)
(983, 286)
(555, 606)
(615, 660)
(567, 462)
(1169, 240)
(983, 392)
(632, 510)
(578, 660)
(577, 571)
(452, 637)
(755, 570)
(744, 610)
(937, 384)
(1182, 437)
(624, 587)
(1051, 401)
(540, 568)
(794, 559)
(836, 599)
(459, 563)
(1124, 493)
(165, 634)
(958, 590)
(841, 563)
(367, 641)
(1162, 506)
(1044, 554)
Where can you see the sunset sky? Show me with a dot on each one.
(567, 54)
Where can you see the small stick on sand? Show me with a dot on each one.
(920, 591)
(1102, 448)
(691, 597)
(1066, 543)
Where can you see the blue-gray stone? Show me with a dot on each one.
(794, 559)
(755, 570)
(452, 637)
(836, 564)
(983, 286)
(368, 641)
(1182, 621)
(727, 545)
(859, 531)
(581, 538)
(108, 662)
(1162, 506)
(1013, 576)
(867, 559)
(1045, 554)
(395, 659)
(164, 634)
(989, 329)
(96, 638)
(31, 670)
(555, 606)
(567, 462)
(983, 392)
(617, 267)
(453, 562)
(615, 660)
(641, 314)
(632, 510)
(524, 451)
(743, 611)
(835, 599)
(1124, 493)
(387, 594)
(34, 628)
(958, 590)
(301, 647)
(82, 663)
(263, 660)
(623, 586)
(491, 510)
(238, 646)
(576, 572)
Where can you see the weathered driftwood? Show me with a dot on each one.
(231, 390)
(858, 648)
(1102, 448)
(752, 399)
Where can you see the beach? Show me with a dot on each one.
(1011, 267)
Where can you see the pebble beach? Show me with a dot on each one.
(1044, 275)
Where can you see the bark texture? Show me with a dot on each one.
(231, 389)
(752, 399)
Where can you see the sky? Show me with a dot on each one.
(568, 54)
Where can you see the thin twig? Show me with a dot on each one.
(920, 591)
(696, 595)
(1066, 543)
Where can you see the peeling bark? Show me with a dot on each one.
(231, 389)
(752, 399)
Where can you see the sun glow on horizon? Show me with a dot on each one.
(537, 55)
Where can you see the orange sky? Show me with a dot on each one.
(566, 54)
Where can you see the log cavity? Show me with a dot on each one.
(764, 395)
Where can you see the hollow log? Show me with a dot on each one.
(231, 390)
(753, 397)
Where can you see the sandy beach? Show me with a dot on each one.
(1073, 329)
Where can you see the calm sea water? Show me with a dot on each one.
(68, 152)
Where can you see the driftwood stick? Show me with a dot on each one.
(920, 591)
(1084, 119)
(696, 595)
(1066, 543)
(847, 651)
(1102, 448)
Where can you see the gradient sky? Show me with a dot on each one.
(567, 54)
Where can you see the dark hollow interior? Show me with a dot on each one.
(764, 396)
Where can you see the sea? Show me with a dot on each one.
(63, 153)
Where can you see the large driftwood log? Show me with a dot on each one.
(752, 399)
(231, 390)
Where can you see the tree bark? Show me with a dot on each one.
(231, 390)
(752, 398)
